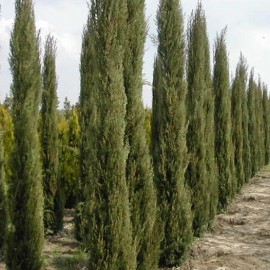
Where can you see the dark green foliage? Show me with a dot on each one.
(80, 222)
(25, 233)
(87, 67)
(238, 91)
(139, 170)
(3, 205)
(49, 134)
(256, 124)
(252, 128)
(168, 135)
(201, 172)
(246, 142)
(59, 205)
(103, 109)
(223, 139)
(266, 124)
(259, 124)
(209, 106)
(148, 127)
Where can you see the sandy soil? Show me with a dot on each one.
(240, 238)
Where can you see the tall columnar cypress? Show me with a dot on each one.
(258, 124)
(246, 141)
(266, 123)
(49, 134)
(139, 170)
(26, 233)
(252, 128)
(103, 100)
(169, 131)
(201, 172)
(87, 67)
(260, 128)
(238, 87)
(209, 106)
(223, 139)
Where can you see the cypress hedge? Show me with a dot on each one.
(246, 142)
(252, 128)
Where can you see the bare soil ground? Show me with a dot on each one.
(62, 251)
(240, 239)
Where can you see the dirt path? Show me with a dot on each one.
(62, 251)
(241, 238)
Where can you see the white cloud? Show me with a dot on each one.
(248, 22)
(5, 29)
(64, 20)
(67, 43)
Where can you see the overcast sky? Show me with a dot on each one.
(248, 23)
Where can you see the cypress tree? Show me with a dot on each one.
(87, 67)
(209, 131)
(246, 142)
(26, 233)
(266, 123)
(201, 171)
(139, 170)
(103, 104)
(169, 131)
(223, 140)
(238, 88)
(49, 133)
(252, 128)
(260, 128)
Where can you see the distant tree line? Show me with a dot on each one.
(144, 182)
